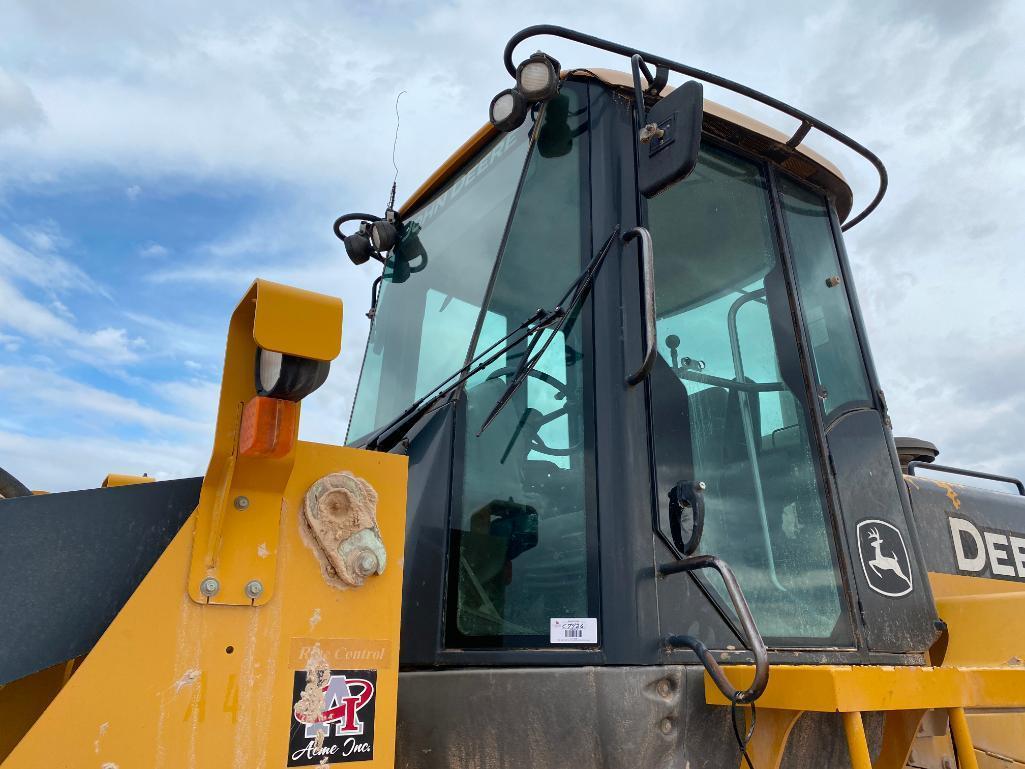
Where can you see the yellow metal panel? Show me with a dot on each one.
(174, 684)
(962, 739)
(944, 585)
(118, 479)
(22, 702)
(239, 505)
(986, 630)
(297, 322)
(999, 734)
(831, 688)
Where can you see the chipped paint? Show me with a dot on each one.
(103, 730)
(314, 618)
(187, 678)
(262, 550)
(110, 765)
(951, 494)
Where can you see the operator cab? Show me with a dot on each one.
(561, 464)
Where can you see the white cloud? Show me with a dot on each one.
(257, 97)
(20, 110)
(133, 192)
(154, 251)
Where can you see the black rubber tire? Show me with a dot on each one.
(11, 486)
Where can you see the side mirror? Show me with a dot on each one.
(670, 139)
(687, 515)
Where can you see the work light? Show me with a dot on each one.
(288, 377)
(508, 110)
(537, 78)
(358, 247)
(383, 235)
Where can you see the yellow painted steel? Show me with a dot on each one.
(118, 479)
(295, 321)
(962, 739)
(175, 684)
(239, 506)
(22, 701)
(857, 744)
(843, 688)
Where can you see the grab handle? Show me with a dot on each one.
(648, 291)
(753, 639)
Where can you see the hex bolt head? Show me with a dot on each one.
(702, 486)
(209, 587)
(664, 688)
(368, 564)
(241, 502)
(254, 589)
(666, 726)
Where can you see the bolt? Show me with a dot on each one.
(702, 486)
(254, 588)
(368, 564)
(241, 502)
(209, 587)
(833, 281)
(664, 688)
(666, 726)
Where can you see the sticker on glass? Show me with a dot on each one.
(574, 630)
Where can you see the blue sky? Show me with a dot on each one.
(154, 159)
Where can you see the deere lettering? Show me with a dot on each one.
(987, 552)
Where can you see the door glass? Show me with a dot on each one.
(839, 367)
(522, 526)
(728, 398)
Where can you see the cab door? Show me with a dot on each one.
(730, 408)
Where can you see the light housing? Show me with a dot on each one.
(537, 78)
(383, 235)
(288, 377)
(358, 247)
(508, 110)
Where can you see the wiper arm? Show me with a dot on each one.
(389, 435)
(565, 309)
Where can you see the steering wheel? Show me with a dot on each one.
(561, 392)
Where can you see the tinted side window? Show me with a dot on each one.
(839, 367)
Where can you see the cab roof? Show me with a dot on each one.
(719, 121)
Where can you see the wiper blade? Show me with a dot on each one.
(391, 433)
(567, 307)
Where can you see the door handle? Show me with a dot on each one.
(648, 298)
(753, 640)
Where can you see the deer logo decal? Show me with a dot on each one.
(884, 557)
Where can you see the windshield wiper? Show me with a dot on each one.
(565, 309)
(390, 434)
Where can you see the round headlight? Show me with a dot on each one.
(358, 247)
(508, 110)
(383, 235)
(537, 78)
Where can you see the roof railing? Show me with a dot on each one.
(808, 123)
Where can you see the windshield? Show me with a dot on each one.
(434, 283)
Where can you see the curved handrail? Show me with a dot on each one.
(753, 640)
(807, 121)
(648, 288)
(969, 473)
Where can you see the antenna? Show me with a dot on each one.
(394, 146)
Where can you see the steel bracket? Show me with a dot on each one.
(234, 552)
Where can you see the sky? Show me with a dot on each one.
(156, 157)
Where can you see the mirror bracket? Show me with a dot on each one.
(687, 515)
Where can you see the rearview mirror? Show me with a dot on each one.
(670, 139)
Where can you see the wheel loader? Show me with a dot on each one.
(619, 489)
